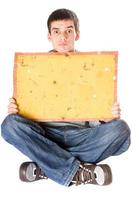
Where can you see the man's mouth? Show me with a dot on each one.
(63, 44)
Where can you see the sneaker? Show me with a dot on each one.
(94, 174)
(29, 172)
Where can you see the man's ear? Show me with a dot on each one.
(49, 36)
(77, 36)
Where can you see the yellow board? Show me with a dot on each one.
(65, 87)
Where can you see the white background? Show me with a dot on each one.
(104, 25)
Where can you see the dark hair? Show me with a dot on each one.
(63, 14)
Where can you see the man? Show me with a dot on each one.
(66, 152)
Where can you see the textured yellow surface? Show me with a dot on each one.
(78, 86)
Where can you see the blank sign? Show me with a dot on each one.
(65, 87)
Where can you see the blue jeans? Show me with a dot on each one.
(60, 150)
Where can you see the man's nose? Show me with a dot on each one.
(63, 36)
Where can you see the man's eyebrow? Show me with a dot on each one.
(70, 26)
(55, 28)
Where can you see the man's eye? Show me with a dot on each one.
(69, 31)
(56, 32)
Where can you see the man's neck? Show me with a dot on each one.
(54, 50)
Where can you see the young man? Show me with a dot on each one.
(66, 152)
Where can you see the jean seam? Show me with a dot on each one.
(71, 173)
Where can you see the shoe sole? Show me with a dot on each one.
(106, 174)
(26, 172)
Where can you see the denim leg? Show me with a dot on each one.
(95, 144)
(30, 138)
(119, 139)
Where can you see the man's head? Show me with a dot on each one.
(63, 29)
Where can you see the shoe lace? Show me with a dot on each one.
(84, 175)
(40, 174)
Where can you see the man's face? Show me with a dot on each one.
(63, 35)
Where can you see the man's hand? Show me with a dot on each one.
(12, 107)
(116, 111)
